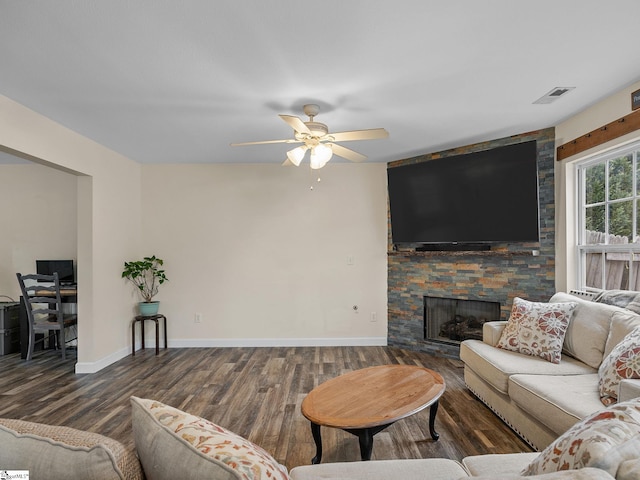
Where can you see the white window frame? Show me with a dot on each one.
(630, 250)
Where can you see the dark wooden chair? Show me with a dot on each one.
(44, 310)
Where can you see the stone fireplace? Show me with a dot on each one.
(516, 269)
(452, 320)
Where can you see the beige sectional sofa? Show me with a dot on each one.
(172, 444)
(541, 400)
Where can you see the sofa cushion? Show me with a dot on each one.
(622, 324)
(629, 470)
(588, 328)
(414, 469)
(507, 466)
(495, 365)
(623, 362)
(497, 464)
(590, 440)
(173, 444)
(556, 401)
(582, 474)
(628, 390)
(536, 328)
(48, 451)
(613, 460)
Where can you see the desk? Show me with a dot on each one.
(69, 295)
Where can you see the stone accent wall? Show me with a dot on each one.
(507, 271)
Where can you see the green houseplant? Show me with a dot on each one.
(147, 276)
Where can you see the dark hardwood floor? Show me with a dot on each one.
(255, 392)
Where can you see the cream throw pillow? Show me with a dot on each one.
(588, 329)
(537, 329)
(176, 445)
(48, 451)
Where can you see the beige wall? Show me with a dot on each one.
(263, 258)
(27, 188)
(603, 112)
(268, 256)
(108, 232)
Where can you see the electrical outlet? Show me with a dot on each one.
(374, 317)
(197, 318)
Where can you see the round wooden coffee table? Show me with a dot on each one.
(365, 402)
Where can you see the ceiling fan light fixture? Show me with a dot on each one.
(296, 155)
(320, 155)
(315, 136)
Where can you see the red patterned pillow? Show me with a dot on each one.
(537, 329)
(622, 362)
(592, 441)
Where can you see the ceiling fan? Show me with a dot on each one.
(315, 137)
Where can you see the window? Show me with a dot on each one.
(608, 224)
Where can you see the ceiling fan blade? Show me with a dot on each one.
(371, 134)
(347, 153)
(295, 123)
(289, 140)
(288, 163)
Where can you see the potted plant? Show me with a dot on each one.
(147, 275)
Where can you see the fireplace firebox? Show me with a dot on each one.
(452, 320)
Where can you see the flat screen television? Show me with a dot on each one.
(63, 267)
(484, 197)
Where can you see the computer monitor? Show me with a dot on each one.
(63, 267)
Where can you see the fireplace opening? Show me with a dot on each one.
(452, 320)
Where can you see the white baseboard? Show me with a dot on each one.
(93, 367)
(279, 342)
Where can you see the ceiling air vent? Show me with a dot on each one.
(554, 94)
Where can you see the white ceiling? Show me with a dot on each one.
(164, 81)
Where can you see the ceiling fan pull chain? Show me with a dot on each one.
(311, 172)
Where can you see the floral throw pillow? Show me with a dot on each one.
(591, 441)
(173, 444)
(622, 362)
(537, 329)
